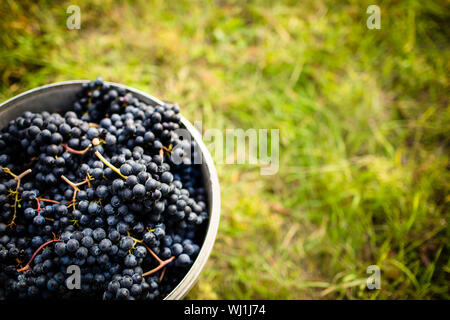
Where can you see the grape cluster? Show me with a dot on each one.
(98, 188)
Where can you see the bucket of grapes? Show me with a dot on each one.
(106, 192)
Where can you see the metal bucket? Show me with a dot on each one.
(59, 97)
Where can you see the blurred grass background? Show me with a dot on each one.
(363, 116)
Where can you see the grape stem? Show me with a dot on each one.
(96, 141)
(168, 149)
(75, 188)
(27, 266)
(18, 178)
(162, 263)
(162, 274)
(38, 200)
(116, 170)
(135, 241)
(69, 149)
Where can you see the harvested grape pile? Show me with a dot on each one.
(98, 188)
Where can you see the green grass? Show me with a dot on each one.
(363, 116)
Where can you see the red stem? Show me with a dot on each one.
(161, 265)
(69, 149)
(38, 200)
(27, 266)
(38, 206)
(162, 274)
(49, 200)
(75, 188)
(154, 255)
